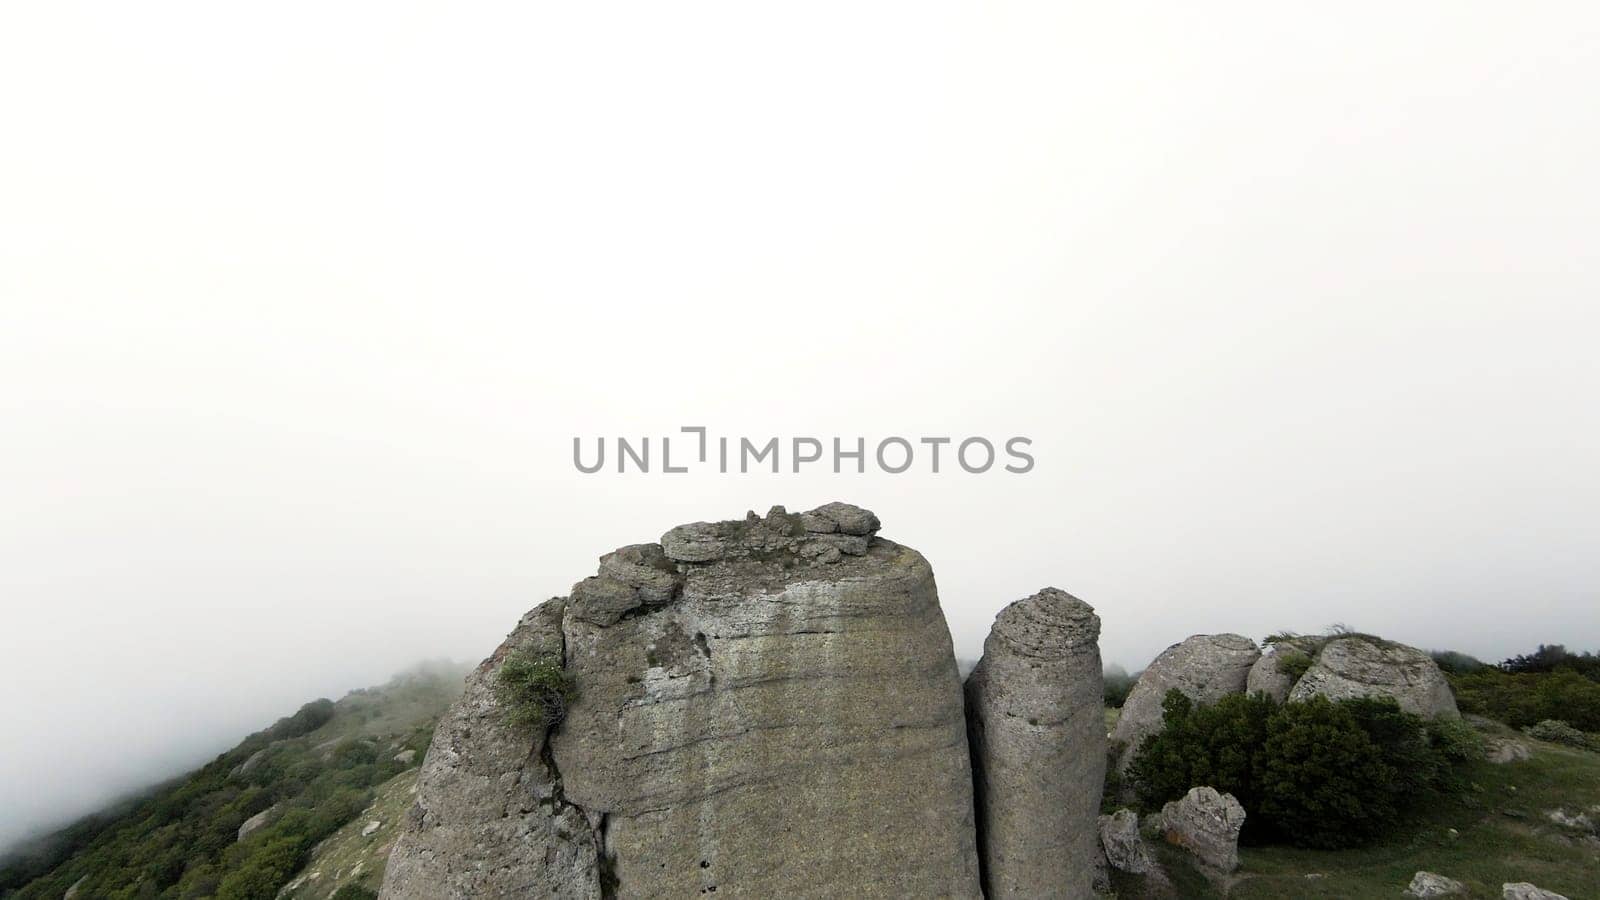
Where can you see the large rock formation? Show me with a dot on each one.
(765, 708)
(1358, 665)
(1037, 728)
(490, 819)
(1206, 668)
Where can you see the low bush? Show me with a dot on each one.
(1318, 773)
(1521, 699)
(1558, 732)
(534, 690)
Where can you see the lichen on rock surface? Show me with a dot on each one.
(765, 707)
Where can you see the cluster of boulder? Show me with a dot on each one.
(1208, 667)
(1428, 884)
(771, 707)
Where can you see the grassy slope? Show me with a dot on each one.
(349, 857)
(390, 718)
(1502, 835)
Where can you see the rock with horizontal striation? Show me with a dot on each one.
(1205, 668)
(765, 707)
(1036, 723)
(1359, 665)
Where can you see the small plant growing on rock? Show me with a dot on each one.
(1293, 663)
(534, 690)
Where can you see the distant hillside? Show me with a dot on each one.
(244, 825)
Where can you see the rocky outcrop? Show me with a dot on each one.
(256, 822)
(1361, 665)
(1037, 730)
(1124, 847)
(1522, 890)
(1206, 823)
(490, 820)
(1206, 668)
(765, 708)
(1266, 678)
(1501, 751)
(1427, 884)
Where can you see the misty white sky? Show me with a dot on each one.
(301, 305)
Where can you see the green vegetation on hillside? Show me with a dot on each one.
(296, 782)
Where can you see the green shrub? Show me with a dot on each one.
(354, 892)
(1211, 745)
(1453, 662)
(1319, 773)
(534, 690)
(1118, 683)
(1323, 782)
(1527, 698)
(1293, 663)
(1558, 732)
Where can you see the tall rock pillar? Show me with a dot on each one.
(1038, 740)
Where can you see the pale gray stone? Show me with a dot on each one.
(1428, 884)
(1506, 750)
(1205, 822)
(1361, 666)
(1205, 667)
(1124, 847)
(1036, 724)
(1522, 890)
(1267, 676)
(256, 822)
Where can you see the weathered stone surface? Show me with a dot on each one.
(1506, 750)
(1037, 730)
(764, 709)
(1427, 884)
(1358, 665)
(490, 821)
(1206, 823)
(1265, 678)
(1206, 668)
(1124, 847)
(256, 822)
(1522, 890)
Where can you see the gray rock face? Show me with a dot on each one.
(1206, 823)
(490, 820)
(1037, 730)
(256, 822)
(1124, 847)
(1357, 666)
(1522, 890)
(1501, 751)
(1206, 668)
(765, 708)
(1427, 884)
(1266, 678)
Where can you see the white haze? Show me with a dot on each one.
(301, 305)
